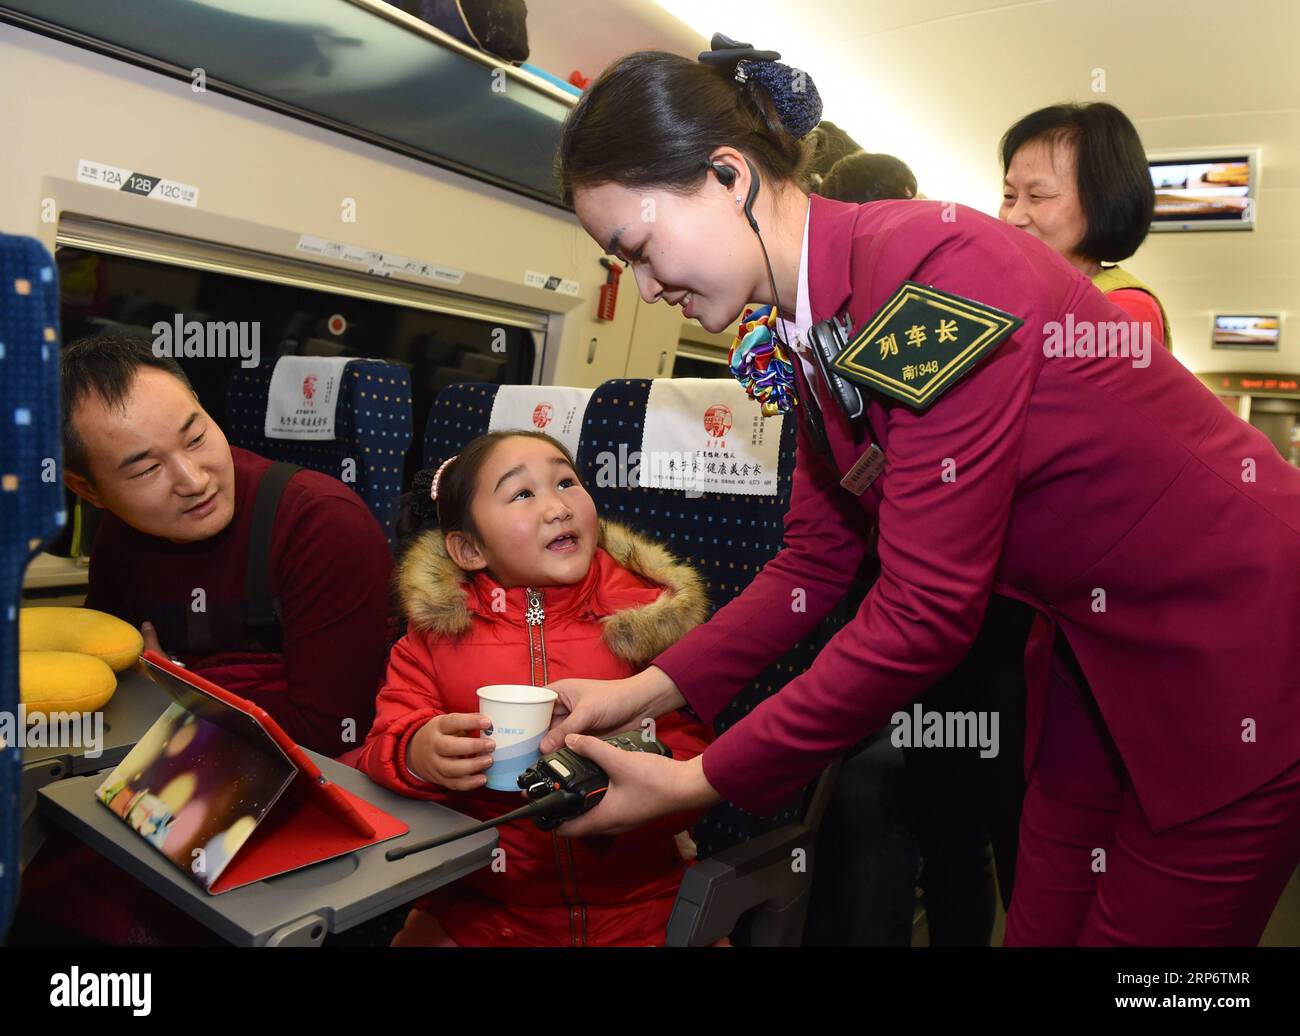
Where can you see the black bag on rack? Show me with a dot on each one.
(497, 27)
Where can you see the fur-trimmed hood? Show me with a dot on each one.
(440, 598)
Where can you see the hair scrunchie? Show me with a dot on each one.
(423, 497)
(794, 94)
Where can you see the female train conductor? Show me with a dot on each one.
(1009, 441)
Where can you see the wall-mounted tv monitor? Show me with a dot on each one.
(1247, 331)
(1205, 191)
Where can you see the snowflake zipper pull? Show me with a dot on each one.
(535, 615)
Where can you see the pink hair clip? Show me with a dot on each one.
(437, 476)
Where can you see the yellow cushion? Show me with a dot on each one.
(82, 630)
(61, 681)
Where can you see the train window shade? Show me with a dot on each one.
(1205, 190)
(357, 67)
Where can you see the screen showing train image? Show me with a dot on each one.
(1204, 194)
(1242, 331)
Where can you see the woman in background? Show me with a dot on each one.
(1076, 177)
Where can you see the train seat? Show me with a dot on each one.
(373, 431)
(465, 410)
(31, 494)
(460, 412)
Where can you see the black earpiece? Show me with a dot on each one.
(727, 176)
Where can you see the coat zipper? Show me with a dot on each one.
(535, 616)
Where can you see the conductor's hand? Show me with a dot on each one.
(447, 751)
(603, 707)
(642, 786)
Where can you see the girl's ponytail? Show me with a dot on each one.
(416, 510)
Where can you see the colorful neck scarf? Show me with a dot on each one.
(758, 361)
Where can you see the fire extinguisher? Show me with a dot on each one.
(608, 290)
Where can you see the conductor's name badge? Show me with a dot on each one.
(920, 342)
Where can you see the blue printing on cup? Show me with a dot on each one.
(517, 758)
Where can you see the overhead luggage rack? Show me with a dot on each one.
(359, 67)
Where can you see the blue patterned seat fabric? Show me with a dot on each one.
(459, 413)
(373, 431)
(31, 491)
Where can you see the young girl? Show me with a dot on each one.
(522, 583)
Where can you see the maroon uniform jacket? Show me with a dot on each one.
(1153, 527)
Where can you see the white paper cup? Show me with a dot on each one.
(520, 716)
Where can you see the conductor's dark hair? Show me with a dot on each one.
(451, 511)
(104, 367)
(1114, 181)
(864, 177)
(652, 119)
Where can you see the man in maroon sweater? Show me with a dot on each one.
(171, 554)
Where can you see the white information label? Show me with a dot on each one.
(550, 282)
(381, 264)
(143, 184)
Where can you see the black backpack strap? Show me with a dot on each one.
(262, 612)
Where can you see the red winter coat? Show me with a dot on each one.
(635, 600)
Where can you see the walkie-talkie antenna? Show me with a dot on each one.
(541, 805)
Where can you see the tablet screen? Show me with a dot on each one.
(199, 781)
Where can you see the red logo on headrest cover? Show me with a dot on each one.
(717, 420)
(309, 387)
(542, 414)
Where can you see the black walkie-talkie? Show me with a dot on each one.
(826, 341)
(565, 771)
(561, 784)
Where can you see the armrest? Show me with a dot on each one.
(757, 875)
